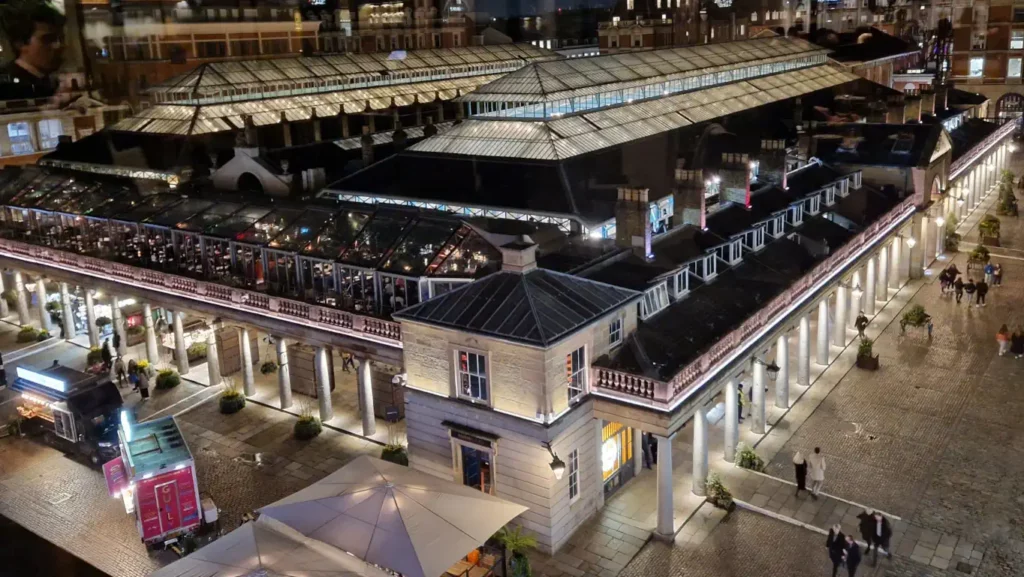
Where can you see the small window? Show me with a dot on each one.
(50, 131)
(1018, 14)
(574, 475)
(472, 376)
(437, 40)
(977, 66)
(1017, 40)
(21, 139)
(576, 371)
(1014, 69)
(615, 332)
(655, 299)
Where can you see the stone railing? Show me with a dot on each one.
(664, 395)
(307, 315)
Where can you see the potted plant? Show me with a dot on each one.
(308, 426)
(268, 367)
(978, 258)
(1007, 200)
(231, 400)
(717, 494)
(53, 307)
(395, 454)
(144, 367)
(27, 335)
(41, 335)
(517, 544)
(167, 379)
(135, 330)
(914, 317)
(196, 351)
(865, 357)
(95, 355)
(103, 322)
(10, 296)
(748, 459)
(988, 229)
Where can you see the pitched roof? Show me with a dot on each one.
(537, 308)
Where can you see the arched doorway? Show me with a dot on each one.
(249, 183)
(1010, 105)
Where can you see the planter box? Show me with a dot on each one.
(868, 363)
(990, 240)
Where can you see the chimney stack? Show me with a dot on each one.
(367, 141)
(927, 99)
(912, 108)
(399, 138)
(519, 255)
(632, 220)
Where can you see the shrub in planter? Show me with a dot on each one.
(232, 400)
(395, 454)
(135, 331)
(914, 317)
(979, 257)
(167, 379)
(27, 335)
(41, 336)
(989, 230)
(307, 427)
(268, 367)
(95, 355)
(517, 544)
(866, 359)
(196, 351)
(10, 296)
(102, 322)
(53, 307)
(748, 459)
(716, 492)
(144, 367)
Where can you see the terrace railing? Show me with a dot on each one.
(665, 395)
(307, 315)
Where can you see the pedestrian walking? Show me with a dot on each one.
(645, 446)
(1003, 340)
(997, 276)
(861, 323)
(953, 272)
(834, 544)
(1017, 343)
(143, 376)
(816, 471)
(970, 288)
(853, 557)
(930, 326)
(120, 371)
(982, 288)
(800, 469)
(879, 533)
(741, 400)
(348, 361)
(990, 270)
(106, 355)
(958, 289)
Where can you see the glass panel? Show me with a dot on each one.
(468, 255)
(419, 246)
(378, 236)
(337, 235)
(268, 227)
(303, 231)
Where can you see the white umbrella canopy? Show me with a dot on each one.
(267, 548)
(394, 516)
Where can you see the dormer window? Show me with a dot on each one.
(704, 268)
(795, 214)
(856, 180)
(753, 240)
(655, 300)
(777, 225)
(681, 284)
(731, 252)
(830, 196)
(813, 205)
(844, 187)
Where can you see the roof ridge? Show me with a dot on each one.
(533, 307)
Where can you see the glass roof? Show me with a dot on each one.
(119, 205)
(238, 222)
(269, 226)
(303, 231)
(32, 195)
(417, 248)
(151, 206)
(209, 217)
(68, 193)
(375, 239)
(180, 212)
(338, 235)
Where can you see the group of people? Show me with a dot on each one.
(812, 467)
(951, 281)
(130, 372)
(1010, 343)
(844, 551)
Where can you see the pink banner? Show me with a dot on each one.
(116, 476)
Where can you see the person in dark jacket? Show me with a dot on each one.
(970, 288)
(106, 355)
(879, 533)
(835, 544)
(861, 323)
(800, 467)
(982, 288)
(852, 557)
(958, 289)
(1017, 343)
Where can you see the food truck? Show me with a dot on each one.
(75, 412)
(155, 476)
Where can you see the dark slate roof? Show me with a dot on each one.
(810, 178)
(957, 97)
(970, 134)
(537, 308)
(880, 45)
(875, 144)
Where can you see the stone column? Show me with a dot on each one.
(19, 289)
(5, 309)
(666, 509)
(803, 368)
(757, 396)
(284, 375)
(366, 397)
(869, 288)
(918, 258)
(782, 382)
(323, 384)
(732, 419)
(856, 294)
(152, 352)
(180, 350)
(213, 359)
(839, 329)
(67, 315)
(822, 352)
(248, 382)
(116, 318)
(90, 319)
(897, 266)
(883, 273)
(638, 451)
(700, 450)
(44, 315)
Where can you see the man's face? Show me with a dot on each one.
(45, 50)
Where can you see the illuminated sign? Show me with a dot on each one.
(609, 455)
(40, 379)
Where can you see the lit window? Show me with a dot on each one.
(575, 372)
(50, 131)
(977, 66)
(21, 140)
(629, 4)
(1014, 69)
(574, 474)
(615, 332)
(472, 376)
(1017, 40)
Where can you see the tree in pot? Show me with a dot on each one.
(914, 317)
(1007, 200)
(395, 454)
(231, 400)
(988, 228)
(717, 494)
(167, 379)
(11, 297)
(865, 357)
(952, 237)
(748, 459)
(308, 426)
(196, 351)
(517, 544)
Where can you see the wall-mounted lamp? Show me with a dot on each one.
(939, 221)
(770, 368)
(911, 242)
(557, 465)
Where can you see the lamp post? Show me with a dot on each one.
(556, 464)
(771, 369)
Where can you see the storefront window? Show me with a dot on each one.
(616, 453)
(476, 468)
